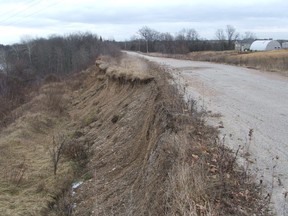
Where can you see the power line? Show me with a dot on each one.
(30, 4)
(8, 12)
(32, 14)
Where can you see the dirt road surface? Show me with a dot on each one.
(242, 101)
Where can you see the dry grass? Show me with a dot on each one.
(273, 61)
(27, 183)
(54, 100)
(127, 69)
(135, 145)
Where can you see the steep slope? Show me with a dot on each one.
(133, 139)
(130, 144)
(152, 154)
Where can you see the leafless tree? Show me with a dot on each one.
(232, 35)
(165, 43)
(221, 38)
(220, 34)
(149, 35)
(3, 63)
(28, 42)
(249, 35)
(166, 37)
(187, 34)
(57, 150)
(192, 35)
(16, 49)
(181, 35)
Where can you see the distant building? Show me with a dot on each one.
(242, 46)
(285, 45)
(265, 45)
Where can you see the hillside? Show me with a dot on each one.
(123, 135)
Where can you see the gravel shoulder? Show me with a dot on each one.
(244, 100)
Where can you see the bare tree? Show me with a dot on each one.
(192, 35)
(16, 49)
(220, 34)
(28, 42)
(221, 38)
(249, 36)
(166, 37)
(136, 42)
(3, 63)
(149, 35)
(165, 43)
(57, 150)
(232, 35)
(181, 36)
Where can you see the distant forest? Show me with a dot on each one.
(35, 58)
(187, 40)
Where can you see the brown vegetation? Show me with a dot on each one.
(24, 66)
(128, 136)
(273, 61)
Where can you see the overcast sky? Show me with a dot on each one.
(121, 19)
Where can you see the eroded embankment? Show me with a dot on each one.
(131, 141)
(152, 154)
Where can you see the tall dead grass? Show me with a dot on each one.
(125, 69)
(204, 178)
(274, 61)
(54, 99)
(27, 183)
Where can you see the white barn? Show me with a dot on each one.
(265, 45)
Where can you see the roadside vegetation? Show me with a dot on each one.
(272, 61)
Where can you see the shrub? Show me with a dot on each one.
(54, 99)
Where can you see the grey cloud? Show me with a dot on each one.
(171, 14)
(207, 16)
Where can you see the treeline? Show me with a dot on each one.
(28, 62)
(187, 40)
(36, 58)
(171, 46)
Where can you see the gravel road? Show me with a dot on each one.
(243, 100)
